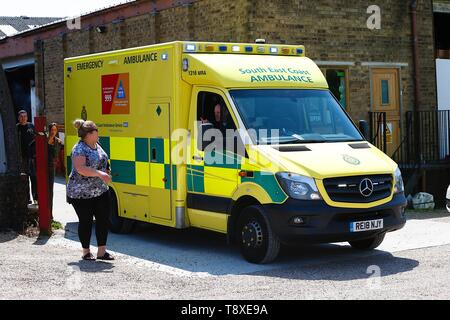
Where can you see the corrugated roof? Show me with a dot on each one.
(51, 21)
(24, 23)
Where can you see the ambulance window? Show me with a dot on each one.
(338, 83)
(211, 108)
(296, 115)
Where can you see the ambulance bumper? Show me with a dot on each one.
(324, 224)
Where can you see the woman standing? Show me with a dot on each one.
(53, 147)
(87, 189)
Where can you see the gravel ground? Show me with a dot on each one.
(158, 263)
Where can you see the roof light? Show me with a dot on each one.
(299, 51)
(209, 47)
(261, 49)
(190, 47)
(236, 49)
(285, 50)
(223, 48)
(273, 50)
(248, 49)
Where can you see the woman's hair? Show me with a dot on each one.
(51, 125)
(84, 127)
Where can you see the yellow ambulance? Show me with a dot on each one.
(241, 139)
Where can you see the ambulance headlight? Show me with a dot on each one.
(297, 186)
(398, 181)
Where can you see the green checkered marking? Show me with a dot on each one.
(157, 148)
(167, 175)
(123, 171)
(269, 183)
(190, 186)
(222, 160)
(174, 177)
(141, 150)
(196, 173)
(105, 144)
(69, 165)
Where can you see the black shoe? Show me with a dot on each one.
(106, 256)
(88, 256)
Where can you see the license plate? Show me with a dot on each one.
(366, 225)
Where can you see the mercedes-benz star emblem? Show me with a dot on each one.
(366, 187)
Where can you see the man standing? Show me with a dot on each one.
(26, 133)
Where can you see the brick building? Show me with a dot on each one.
(370, 68)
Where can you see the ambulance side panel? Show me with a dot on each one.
(132, 96)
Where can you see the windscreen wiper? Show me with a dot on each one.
(299, 141)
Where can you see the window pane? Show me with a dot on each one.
(295, 116)
(337, 84)
(384, 91)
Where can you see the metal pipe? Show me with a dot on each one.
(416, 71)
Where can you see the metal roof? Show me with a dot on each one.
(50, 21)
(13, 25)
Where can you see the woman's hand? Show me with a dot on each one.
(104, 176)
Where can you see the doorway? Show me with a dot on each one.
(386, 98)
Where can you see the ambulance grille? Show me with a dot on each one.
(348, 189)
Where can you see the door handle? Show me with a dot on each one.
(197, 158)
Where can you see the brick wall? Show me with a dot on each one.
(331, 30)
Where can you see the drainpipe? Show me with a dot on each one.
(416, 72)
(415, 35)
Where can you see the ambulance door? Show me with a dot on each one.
(160, 162)
(212, 174)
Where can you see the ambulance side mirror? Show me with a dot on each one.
(201, 142)
(364, 128)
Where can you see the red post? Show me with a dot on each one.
(42, 175)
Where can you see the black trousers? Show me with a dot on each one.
(27, 166)
(86, 209)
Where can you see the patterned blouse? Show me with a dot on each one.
(81, 187)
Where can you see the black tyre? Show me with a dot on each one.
(256, 239)
(368, 244)
(118, 224)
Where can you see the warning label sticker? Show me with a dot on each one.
(116, 94)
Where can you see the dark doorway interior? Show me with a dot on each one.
(441, 34)
(19, 81)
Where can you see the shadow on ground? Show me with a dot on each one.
(92, 266)
(201, 251)
(6, 236)
(427, 214)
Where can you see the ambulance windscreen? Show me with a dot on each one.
(283, 116)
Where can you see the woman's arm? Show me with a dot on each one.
(79, 163)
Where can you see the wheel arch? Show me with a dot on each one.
(234, 211)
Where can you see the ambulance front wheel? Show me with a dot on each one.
(117, 224)
(257, 241)
(368, 244)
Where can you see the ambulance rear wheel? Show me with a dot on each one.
(117, 224)
(257, 241)
(368, 244)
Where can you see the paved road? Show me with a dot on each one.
(161, 263)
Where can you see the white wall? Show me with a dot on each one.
(443, 94)
(2, 149)
(443, 81)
